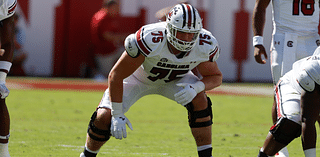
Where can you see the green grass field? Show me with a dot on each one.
(47, 123)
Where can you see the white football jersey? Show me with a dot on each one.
(299, 17)
(312, 72)
(7, 8)
(160, 65)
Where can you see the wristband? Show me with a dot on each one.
(116, 108)
(257, 40)
(199, 86)
(5, 66)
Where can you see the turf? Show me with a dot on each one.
(53, 123)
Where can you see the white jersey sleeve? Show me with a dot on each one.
(208, 45)
(307, 72)
(131, 46)
(7, 8)
(150, 38)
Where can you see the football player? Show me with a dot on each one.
(7, 9)
(158, 59)
(295, 36)
(297, 96)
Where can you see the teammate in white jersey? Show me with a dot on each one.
(295, 35)
(297, 96)
(158, 59)
(7, 10)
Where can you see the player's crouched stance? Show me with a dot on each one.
(297, 96)
(158, 60)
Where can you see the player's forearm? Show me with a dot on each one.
(258, 19)
(8, 54)
(7, 39)
(115, 92)
(258, 23)
(212, 81)
(115, 87)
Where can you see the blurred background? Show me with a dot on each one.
(58, 43)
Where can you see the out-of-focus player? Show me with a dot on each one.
(7, 9)
(297, 96)
(158, 59)
(294, 36)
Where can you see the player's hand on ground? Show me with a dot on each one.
(118, 126)
(186, 95)
(4, 91)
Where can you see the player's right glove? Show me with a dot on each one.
(119, 121)
(189, 91)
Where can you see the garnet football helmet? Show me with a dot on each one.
(184, 18)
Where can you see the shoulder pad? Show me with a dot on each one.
(209, 44)
(312, 67)
(305, 81)
(150, 37)
(317, 51)
(8, 8)
(131, 46)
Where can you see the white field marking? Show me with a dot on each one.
(12, 85)
(244, 90)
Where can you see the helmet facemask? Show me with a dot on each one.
(179, 44)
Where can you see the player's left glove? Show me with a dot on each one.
(4, 91)
(4, 66)
(189, 91)
(118, 122)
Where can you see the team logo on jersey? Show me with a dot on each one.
(290, 43)
(314, 58)
(130, 46)
(173, 11)
(318, 42)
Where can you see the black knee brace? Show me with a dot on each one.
(96, 130)
(284, 134)
(193, 115)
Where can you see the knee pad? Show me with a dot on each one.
(96, 130)
(193, 115)
(285, 130)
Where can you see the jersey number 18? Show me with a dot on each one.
(307, 7)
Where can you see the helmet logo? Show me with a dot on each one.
(173, 11)
(169, 15)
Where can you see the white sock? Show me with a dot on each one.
(200, 148)
(91, 151)
(4, 151)
(310, 152)
(283, 152)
